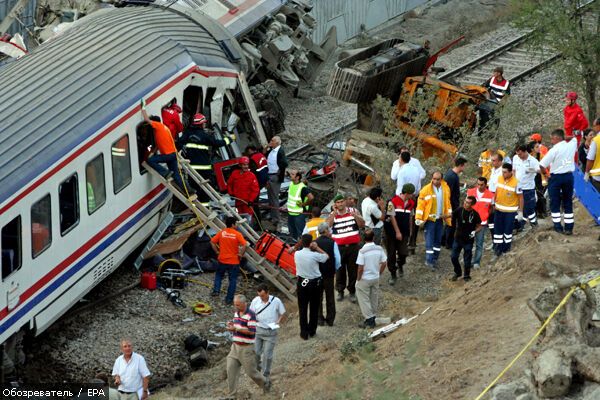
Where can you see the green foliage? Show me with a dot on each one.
(358, 343)
(571, 28)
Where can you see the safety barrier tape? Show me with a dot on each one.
(589, 284)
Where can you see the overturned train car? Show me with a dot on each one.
(74, 200)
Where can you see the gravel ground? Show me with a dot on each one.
(77, 348)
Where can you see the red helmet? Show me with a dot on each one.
(199, 119)
(244, 160)
(572, 96)
(536, 137)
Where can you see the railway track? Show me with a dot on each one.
(517, 58)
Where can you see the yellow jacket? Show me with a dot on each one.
(427, 206)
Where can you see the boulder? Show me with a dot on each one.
(552, 374)
(511, 390)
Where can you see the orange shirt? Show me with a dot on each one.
(162, 137)
(229, 240)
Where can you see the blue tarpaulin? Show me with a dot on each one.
(587, 195)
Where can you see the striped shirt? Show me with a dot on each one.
(247, 320)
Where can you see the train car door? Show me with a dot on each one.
(11, 244)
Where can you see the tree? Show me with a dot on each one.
(572, 28)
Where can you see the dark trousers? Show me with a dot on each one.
(503, 231)
(433, 240)
(414, 231)
(296, 224)
(560, 189)
(396, 252)
(171, 160)
(448, 236)
(345, 277)
(595, 184)
(468, 254)
(327, 291)
(309, 293)
(529, 206)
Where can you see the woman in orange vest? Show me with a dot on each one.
(485, 202)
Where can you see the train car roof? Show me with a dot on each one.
(73, 85)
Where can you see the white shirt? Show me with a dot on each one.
(421, 174)
(591, 155)
(307, 263)
(525, 171)
(270, 314)
(406, 174)
(561, 157)
(272, 160)
(370, 208)
(131, 373)
(494, 175)
(370, 257)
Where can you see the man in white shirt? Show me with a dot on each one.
(592, 171)
(414, 229)
(276, 165)
(526, 167)
(495, 174)
(309, 284)
(561, 160)
(131, 374)
(372, 208)
(371, 263)
(270, 312)
(405, 173)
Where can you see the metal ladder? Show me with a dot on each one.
(205, 215)
(162, 227)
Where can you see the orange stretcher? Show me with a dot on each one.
(276, 251)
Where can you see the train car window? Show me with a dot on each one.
(121, 164)
(68, 203)
(11, 247)
(145, 143)
(94, 184)
(41, 226)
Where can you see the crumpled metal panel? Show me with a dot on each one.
(27, 16)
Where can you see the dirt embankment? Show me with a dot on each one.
(453, 351)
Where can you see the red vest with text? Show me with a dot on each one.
(345, 229)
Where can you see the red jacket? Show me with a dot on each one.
(170, 117)
(574, 120)
(483, 205)
(243, 186)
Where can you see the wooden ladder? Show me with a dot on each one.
(278, 277)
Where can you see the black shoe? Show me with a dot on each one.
(467, 278)
(214, 294)
(228, 303)
(370, 323)
(267, 386)
(455, 278)
(568, 233)
(312, 334)
(340, 296)
(329, 323)
(321, 322)
(558, 230)
(304, 336)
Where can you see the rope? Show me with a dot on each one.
(537, 334)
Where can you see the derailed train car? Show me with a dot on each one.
(74, 200)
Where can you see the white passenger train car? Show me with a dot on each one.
(74, 201)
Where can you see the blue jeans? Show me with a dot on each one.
(232, 272)
(171, 161)
(468, 253)
(479, 239)
(433, 240)
(560, 189)
(296, 224)
(503, 229)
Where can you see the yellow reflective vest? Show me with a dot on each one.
(427, 203)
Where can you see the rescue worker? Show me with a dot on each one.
(243, 185)
(538, 151)
(525, 169)
(484, 207)
(373, 211)
(312, 224)
(560, 162)
(198, 145)
(497, 86)
(592, 168)
(492, 182)
(170, 116)
(299, 197)
(397, 230)
(328, 269)
(575, 121)
(485, 161)
(433, 209)
(276, 165)
(508, 202)
(258, 165)
(345, 225)
(537, 137)
(165, 145)
(467, 222)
